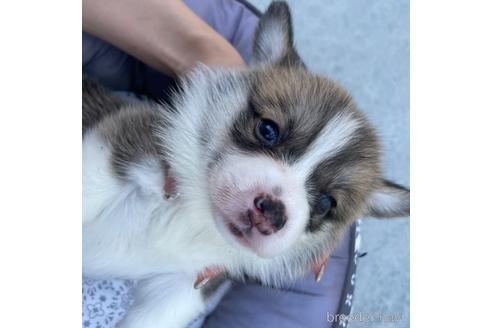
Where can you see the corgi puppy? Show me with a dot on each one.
(253, 172)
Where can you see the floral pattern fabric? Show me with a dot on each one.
(104, 302)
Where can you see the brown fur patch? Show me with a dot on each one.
(129, 128)
(97, 103)
(300, 103)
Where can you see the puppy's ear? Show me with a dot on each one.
(274, 41)
(389, 200)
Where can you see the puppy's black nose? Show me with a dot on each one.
(272, 217)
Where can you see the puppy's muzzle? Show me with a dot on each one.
(268, 215)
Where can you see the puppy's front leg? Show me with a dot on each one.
(164, 301)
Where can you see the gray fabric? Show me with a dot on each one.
(304, 304)
(231, 19)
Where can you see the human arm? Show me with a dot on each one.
(164, 34)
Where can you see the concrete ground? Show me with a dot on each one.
(365, 46)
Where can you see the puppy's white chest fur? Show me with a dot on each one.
(129, 226)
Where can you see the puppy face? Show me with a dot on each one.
(297, 162)
(285, 158)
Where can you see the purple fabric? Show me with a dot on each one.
(306, 303)
(231, 19)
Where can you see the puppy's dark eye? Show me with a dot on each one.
(267, 132)
(325, 203)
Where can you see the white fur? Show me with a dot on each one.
(164, 301)
(98, 185)
(337, 133)
(131, 231)
(272, 43)
(239, 178)
(387, 201)
(146, 225)
(187, 157)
